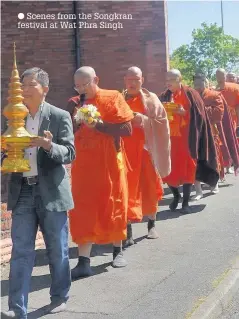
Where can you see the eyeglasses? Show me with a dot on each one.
(83, 86)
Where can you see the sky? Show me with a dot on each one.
(184, 16)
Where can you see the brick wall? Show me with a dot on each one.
(142, 41)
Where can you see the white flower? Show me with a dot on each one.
(85, 112)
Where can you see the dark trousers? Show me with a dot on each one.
(26, 217)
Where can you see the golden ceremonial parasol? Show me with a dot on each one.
(16, 138)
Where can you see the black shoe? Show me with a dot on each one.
(118, 258)
(174, 203)
(186, 210)
(129, 241)
(82, 269)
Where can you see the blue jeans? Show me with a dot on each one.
(26, 217)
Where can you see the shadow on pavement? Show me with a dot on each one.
(136, 241)
(97, 270)
(37, 283)
(38, 313)
(97, 250)
(167, 214)
(225, 185)
(44, 281)
(139, 239)
(166, 202)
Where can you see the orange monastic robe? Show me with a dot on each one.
(144, 186)
(215, 108)
(183, 166)
(99, 181)
(231, 95)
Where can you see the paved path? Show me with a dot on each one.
(165, 279)
(232, 312)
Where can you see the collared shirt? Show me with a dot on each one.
(32, 126)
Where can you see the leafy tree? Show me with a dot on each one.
(209, 50)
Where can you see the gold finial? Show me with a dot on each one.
(14, 56)
(16, 138)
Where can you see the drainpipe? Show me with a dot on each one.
(77, 34)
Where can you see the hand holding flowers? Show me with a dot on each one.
(89, 115)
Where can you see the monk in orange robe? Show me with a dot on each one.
(214, 107)
(191, 139)
(230, 92)
(99, 176)
(148, 153)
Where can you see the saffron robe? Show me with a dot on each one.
(215, 109)
(230, 137)
(99, 181)
(199, 142)
(183, 165)
(144, 186)
(231, 94)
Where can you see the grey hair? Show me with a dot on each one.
(40, 75)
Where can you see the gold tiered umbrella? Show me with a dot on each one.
(16, 138)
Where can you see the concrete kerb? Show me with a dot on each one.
(217, 302)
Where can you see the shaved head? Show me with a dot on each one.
(200, 82)
(231, 77)
(174, 72)
(133, 80)
(173, 80)
(86, 81)
(221, 77)
(220, 70)
(134, 70)
(85, 71)
(231, 73)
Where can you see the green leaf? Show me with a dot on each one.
(210, 49)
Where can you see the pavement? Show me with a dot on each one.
(232, 311)
(167, 278)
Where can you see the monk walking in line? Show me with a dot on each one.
(214, 108)
(230, 92)
(148, 152)
(190, 155)
(99, 184)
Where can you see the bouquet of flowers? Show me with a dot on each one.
(88, 113)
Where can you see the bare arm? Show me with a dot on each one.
(115, 130)
(71, 109)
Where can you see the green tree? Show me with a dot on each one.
(210, 49)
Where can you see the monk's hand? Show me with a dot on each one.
(44, 142)
(180, 110)
(137, 120)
